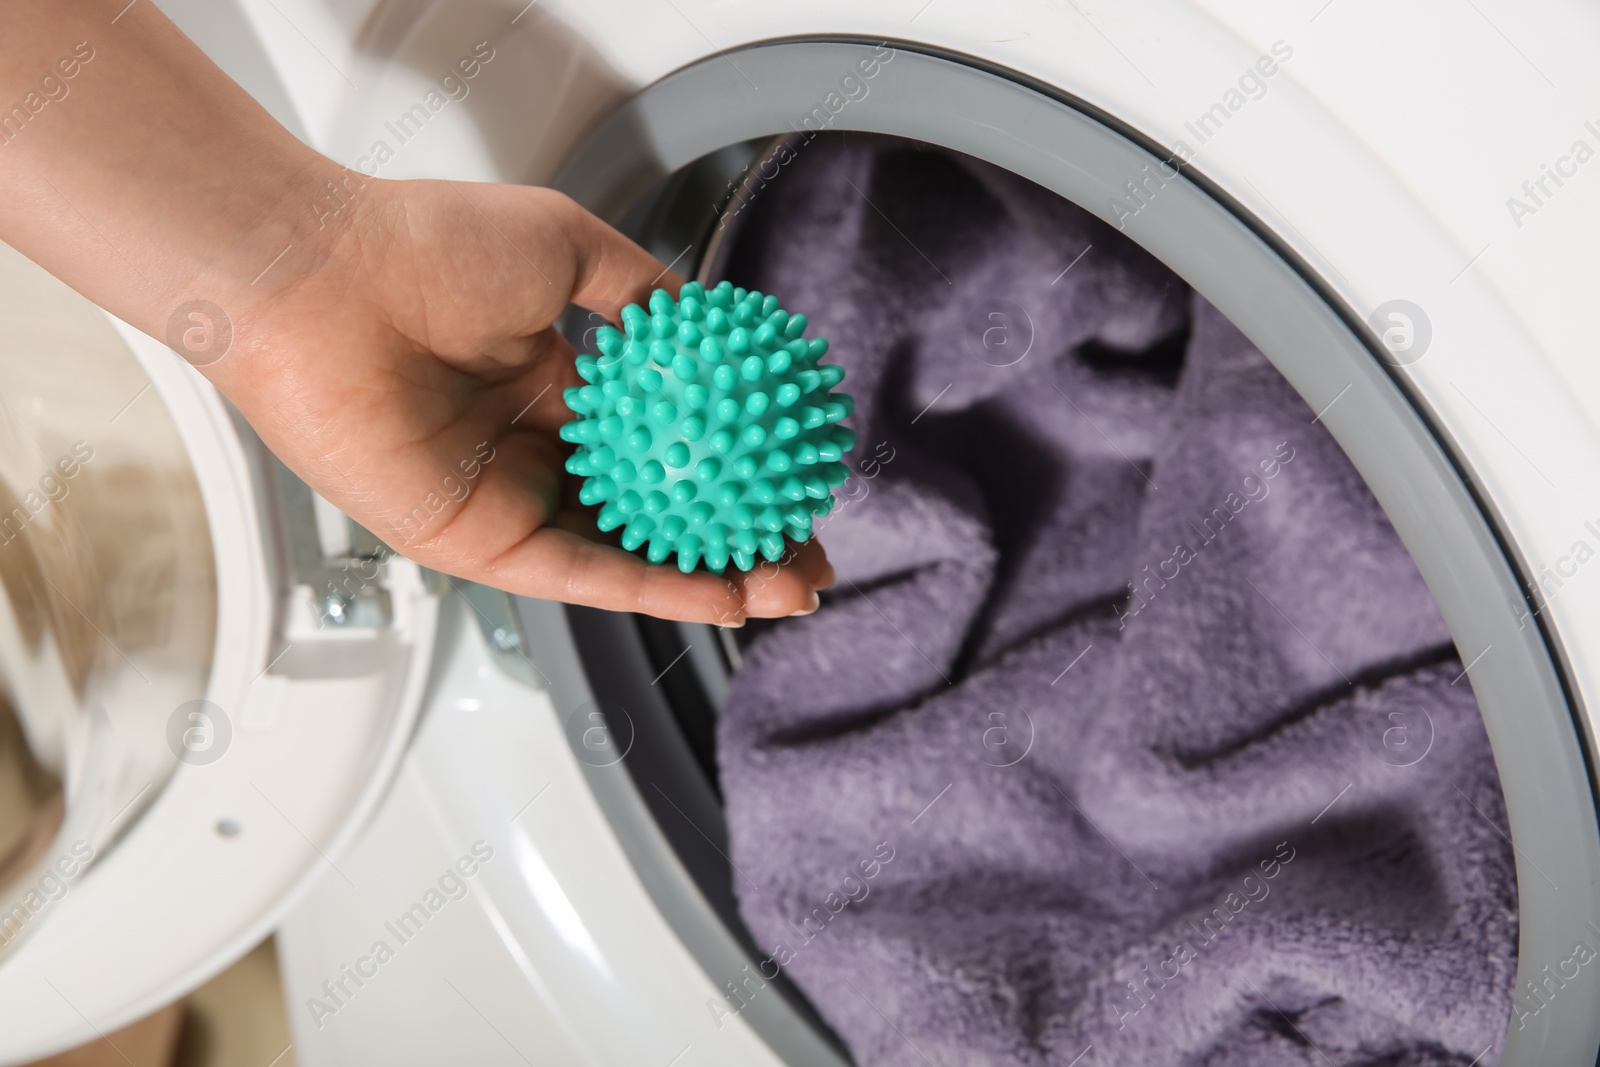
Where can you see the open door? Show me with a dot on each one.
(207, 674)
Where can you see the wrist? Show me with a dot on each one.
(300, 244)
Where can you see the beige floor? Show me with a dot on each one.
(235, 1020)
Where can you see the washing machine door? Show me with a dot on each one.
(1477, 529)
(207, 674)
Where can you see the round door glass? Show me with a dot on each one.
(107, 593)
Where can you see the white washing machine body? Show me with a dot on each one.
(1413, 190)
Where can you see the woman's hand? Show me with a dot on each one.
(413, 377)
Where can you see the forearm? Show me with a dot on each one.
(135, 170)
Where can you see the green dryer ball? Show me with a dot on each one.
(707, 428)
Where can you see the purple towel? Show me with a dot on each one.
(1130, 733)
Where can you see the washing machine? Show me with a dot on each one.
(487, 829)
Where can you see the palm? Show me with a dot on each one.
(415, 380)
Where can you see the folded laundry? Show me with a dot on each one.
(1118, 632)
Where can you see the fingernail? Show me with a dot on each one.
(828, 577)
(812, 605)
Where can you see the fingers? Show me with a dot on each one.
(813, 561)
(557, 564)
(612, 271)
(772, 591)
(562, 562)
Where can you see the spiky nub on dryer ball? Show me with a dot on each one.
(708, 429)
